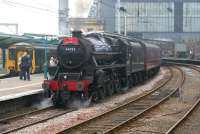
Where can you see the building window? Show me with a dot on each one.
(148, 17)
(191, 17)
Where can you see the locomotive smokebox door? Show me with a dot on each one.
(77, 34)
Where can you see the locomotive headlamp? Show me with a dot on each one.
(65, 77)
(80, 86)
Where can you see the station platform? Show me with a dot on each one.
(12, 88)
(3, 72)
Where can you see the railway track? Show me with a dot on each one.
(111, 121)
(7, 119)
(195, 108)
(180, 123)
(167, 118)
(15, 123)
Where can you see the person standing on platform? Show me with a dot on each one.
(26, 65)
(28, 71)
(23, 66)
(20, 67)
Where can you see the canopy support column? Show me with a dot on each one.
(4, 57)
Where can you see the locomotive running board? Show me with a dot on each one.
(106, 53)
(111, 66)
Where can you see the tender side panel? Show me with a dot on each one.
(137, 56)
(152, 57)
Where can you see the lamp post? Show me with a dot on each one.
(118, 17)
(46, 60)
(125, 19)
(125, 23)
(169, 10)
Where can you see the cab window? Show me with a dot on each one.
(30, 52)
(12, 53)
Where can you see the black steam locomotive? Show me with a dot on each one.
(96, 65)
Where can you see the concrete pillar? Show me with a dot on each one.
(4, 57)
(63, 17)
(178, 16)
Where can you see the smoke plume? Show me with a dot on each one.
(43, 103)
(81, 7)
(77, 103)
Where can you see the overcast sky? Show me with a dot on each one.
(38, 16)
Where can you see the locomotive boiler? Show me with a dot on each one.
(96, 65)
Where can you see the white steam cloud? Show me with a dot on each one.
(77, 103)
(44, 103)
(79, 8)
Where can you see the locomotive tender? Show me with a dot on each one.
(96, 65)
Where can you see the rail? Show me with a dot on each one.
(190, 111)
(110, 121)
(20, 118)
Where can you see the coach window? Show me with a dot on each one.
(12, 54)
(30, 52)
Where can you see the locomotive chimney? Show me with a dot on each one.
(77, 34)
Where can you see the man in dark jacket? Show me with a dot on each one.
(26, 65)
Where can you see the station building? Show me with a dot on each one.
(173, 20)
(153, 17)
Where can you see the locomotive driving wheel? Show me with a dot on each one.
(130, 82)
(84, 96)
(95, 96)
(117, 86)
(109, 89)
(102, 93)
(98, 94)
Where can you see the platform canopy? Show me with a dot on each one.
(6, 40)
